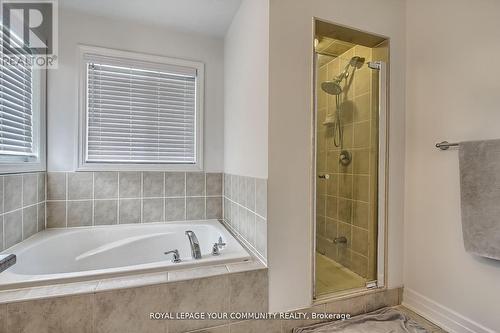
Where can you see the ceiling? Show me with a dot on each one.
(329, 48)
(209, 17)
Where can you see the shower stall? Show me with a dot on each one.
(350, 156)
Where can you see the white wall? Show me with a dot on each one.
(452, 94)
(290, 137)
(246, 95)
(76, 27)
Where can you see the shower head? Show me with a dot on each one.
(356, 62)
(333, 87)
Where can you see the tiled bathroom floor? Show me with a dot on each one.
(332, 277)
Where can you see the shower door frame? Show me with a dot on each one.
(382, 195)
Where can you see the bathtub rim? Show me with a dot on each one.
(54, 282)
(130, 281)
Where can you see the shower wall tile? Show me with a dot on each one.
(22, 206)
(105, 198)
(360, 214)
(361, 161)
(362, 108)
(245, 210)
(361, 135)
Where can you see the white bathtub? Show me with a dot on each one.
(65, 255)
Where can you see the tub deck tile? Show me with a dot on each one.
(196, 273)
(44, 292)
(245, 266)
(131, 281)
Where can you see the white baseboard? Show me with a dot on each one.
(440, 315)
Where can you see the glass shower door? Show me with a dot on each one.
(349, 251)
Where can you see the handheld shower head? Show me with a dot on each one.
(333, 87)
(357, 62)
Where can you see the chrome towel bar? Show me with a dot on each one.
(445, 145)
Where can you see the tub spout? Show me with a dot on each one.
(195, 245)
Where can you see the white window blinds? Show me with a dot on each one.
(140, 112)
(16, 103)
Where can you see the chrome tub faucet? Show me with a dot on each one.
(195, 245)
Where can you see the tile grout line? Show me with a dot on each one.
(137, 198)
(37, 201)
(205, 195)
(164, 186)
(66, 177)
(45, 200)
(93, 196)
(255, 214)
(142, 198)
(3, 212)
(118, 199)
(22, 210)
(185, 196)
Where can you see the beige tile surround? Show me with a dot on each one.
(124, 307)
(77, 199)
(22, 207)
(245, 211)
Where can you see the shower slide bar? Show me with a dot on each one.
(445, 145)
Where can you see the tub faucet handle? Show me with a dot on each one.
(220, 244)
(215, 249)
(176, 258)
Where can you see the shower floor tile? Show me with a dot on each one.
(332, 277)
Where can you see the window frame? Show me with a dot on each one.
(134, 57)
(38, 163)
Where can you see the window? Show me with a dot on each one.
(22, 130)
(139, 112)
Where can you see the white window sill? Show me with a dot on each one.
(6, 168)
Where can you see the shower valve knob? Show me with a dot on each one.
(325, 176)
